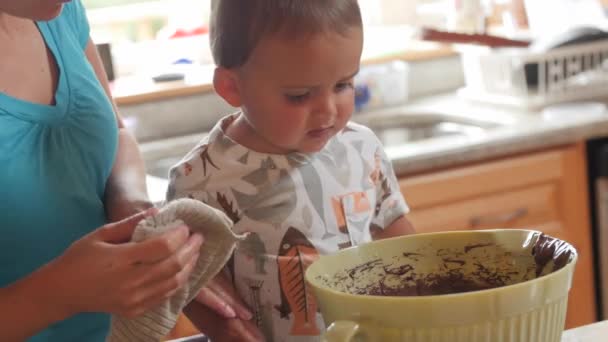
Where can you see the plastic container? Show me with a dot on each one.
(466, 16)
(531, 80)
(381, 85)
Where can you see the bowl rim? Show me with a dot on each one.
(488, 292)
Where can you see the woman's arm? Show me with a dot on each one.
(28, 307)
(126, 192)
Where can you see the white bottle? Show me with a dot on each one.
(466, 16)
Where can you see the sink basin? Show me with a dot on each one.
(396, 129)
(393, 129)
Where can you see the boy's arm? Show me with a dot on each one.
(401, 226)
(390, 219)
(220, 329)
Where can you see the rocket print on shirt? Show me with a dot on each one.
(262, 313)
(296, 253)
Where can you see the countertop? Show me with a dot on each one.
(519, 131)
(597, 332)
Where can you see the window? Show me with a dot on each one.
(119, 21)
(147, 35)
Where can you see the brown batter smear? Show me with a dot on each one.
(473, 268)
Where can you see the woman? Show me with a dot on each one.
(68, 167)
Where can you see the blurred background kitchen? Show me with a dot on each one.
(493, 111)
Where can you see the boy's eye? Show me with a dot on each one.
(297, 98)
(344, 86)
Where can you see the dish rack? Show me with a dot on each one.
(525, 79)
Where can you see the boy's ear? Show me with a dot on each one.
(225, 84)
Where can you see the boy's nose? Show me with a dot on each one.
(326, 107)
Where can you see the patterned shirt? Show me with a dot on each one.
(295, 207)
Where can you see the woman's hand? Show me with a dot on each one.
(102, 272)
(220, 296)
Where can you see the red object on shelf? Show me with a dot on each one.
(180, 33)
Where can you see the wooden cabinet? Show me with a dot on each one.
(546, 191)
(183, 328)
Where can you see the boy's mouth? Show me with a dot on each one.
(320, 132)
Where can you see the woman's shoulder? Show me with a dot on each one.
(73, 20)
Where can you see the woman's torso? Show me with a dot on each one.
(56, 159)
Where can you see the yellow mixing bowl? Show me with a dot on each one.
(359, 290)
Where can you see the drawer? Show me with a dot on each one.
(461, 183)
(533, 208)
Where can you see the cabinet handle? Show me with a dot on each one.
(499, 219)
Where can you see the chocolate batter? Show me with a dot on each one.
(474, 267)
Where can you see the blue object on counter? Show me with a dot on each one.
(362, 96)
(183, 61)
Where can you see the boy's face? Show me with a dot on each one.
(298, 93)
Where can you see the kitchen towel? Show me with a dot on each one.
(219, 244)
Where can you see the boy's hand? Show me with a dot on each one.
(220, 329)
(401, 226)
(220, 296)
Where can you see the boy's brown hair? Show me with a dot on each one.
(238, 25)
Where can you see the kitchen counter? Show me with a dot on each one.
(519, 131)
(590, 333)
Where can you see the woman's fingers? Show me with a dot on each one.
(155, 293)
(159, 247)
(188, 254)
(121, 231)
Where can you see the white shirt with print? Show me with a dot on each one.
(295, 207)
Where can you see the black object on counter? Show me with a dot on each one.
(168, 77)
(105, 53)
(578, 35)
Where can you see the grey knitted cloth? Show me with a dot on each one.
(219, 244)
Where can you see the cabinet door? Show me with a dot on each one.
(544, 191)
(183, 328)
(533, 207)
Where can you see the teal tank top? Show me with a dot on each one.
(55, 162)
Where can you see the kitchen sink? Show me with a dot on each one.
(392, 129)
(397, 129)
